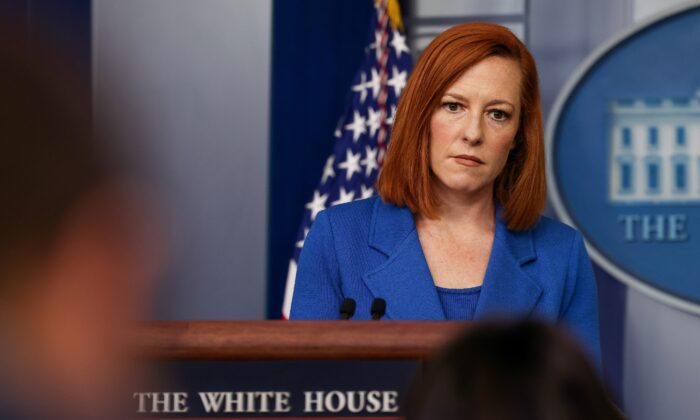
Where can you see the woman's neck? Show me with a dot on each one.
(467, 211)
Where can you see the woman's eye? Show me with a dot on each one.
(452, 106)
(499, 115)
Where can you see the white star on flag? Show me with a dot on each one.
(377, 44)
(300, 243)
(338, 133)
(399, 44)
(367, 192)
(345, 197)
(357, 126)
(361, 87)
(370, 160)
(328, 171)
(390, 120)
(351, 164)
(317, 204)
(374, 83)
(373, 120)
(397, 81)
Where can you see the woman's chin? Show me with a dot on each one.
(465, 189)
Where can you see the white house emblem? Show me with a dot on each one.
(623, 146)
(655, 154)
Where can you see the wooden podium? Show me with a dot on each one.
(294, 340)
(284, 369)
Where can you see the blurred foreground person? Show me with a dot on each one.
(510, 371)
(76, 259)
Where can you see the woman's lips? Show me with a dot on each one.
(468, 160)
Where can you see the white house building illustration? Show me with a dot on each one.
(655, 150)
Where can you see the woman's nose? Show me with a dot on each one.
(473, 132)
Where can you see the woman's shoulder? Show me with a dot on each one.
(552, 231)
(349, 218)
(366, 219)
(347, 225)
(361, 209)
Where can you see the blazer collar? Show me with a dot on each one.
(508, 289)
(389, 226)
(404, 279)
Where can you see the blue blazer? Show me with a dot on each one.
(368, 249)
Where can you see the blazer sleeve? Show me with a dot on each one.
(317, 291)
(580, 312)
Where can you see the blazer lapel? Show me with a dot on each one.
(404, 279)
(405, 282)
(507, 288)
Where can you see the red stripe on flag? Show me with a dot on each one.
(383, 26)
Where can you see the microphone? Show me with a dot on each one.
(378, 309)
(347, 308)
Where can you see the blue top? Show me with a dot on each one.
(459, 304)
(369, 249)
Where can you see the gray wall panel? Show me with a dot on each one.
(662, 366)
(188, 82)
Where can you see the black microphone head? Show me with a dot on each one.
(378, 308)
(347, 308)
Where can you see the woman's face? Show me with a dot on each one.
(474, 128)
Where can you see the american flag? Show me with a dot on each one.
(363, 131)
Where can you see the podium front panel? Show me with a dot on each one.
(283, 369)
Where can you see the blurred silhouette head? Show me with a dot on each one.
(76, 258)
(510, 371)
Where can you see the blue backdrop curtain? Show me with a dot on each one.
(317, 48)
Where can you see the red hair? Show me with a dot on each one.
(405, 179)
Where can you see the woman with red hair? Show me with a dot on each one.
(456, 231)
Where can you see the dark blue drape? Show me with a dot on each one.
(317, 48)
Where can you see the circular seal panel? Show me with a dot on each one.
(623, 146)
